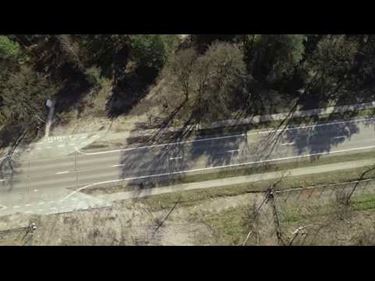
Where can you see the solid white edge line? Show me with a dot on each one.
(231, 136)
(217, 167)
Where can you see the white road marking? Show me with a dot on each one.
(288, 143)
(117, 165)
(218, 167)
(233, 150)
(224, 137)
(62, 173)
(175, 158)
(339, 137)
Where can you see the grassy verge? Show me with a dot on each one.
(194, 197)
(231, 226)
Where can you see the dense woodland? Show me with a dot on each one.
(217, 75)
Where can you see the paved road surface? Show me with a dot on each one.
(51, 179)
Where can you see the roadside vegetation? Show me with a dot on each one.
(164, 80)
(117, 83)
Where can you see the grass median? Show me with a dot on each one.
(233, 172)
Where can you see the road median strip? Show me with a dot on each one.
(238, 180)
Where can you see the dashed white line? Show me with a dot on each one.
(233, 150)
(62, 173)
(175, 158)
(288, 143)
(339, 137)
(117, 165)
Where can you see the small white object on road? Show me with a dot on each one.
(233, 150)
(339, 137)
(49, 103)
(118, 165)
(62, 173)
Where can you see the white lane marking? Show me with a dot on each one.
(175, 158)
(339, 137)
(63, 172)
(224, 137)
(117, 165)
(233, 150)
(288, 143)
(218, 167)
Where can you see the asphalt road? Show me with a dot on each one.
(50, 178)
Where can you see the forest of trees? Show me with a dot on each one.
(216, 74)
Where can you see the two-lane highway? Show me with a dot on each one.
(34, 178)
